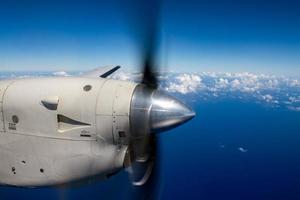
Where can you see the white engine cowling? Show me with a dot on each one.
(56, 130)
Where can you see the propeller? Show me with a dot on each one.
(151, 111)
(142, 157)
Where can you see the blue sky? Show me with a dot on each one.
(261, 37)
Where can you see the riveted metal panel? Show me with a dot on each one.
(121, 129)
(113, 111)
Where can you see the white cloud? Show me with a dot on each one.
(294, 99)
(267, 89)
(221, 83)
(267, 97)
(294, 108)
(294, 83)
(215, 82)
(122, 76)
(185, 83)
(235, 83)
(243, 150)
(126, 76)
(60, 73)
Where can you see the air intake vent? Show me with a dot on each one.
(66, 123)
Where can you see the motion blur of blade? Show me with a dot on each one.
(144, 22)
(151, 189)
(149, 76)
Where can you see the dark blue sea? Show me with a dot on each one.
(239, 146)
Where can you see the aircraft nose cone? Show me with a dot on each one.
(167, 112)
(156, 111)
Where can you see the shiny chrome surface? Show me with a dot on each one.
(155, 111)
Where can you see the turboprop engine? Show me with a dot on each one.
(57, 130)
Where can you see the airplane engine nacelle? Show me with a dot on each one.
(56, 130)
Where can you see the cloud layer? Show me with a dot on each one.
(272, 90)
(60, 73)
(185, 83)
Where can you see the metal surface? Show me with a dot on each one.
(155, 111)
(42, 147)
